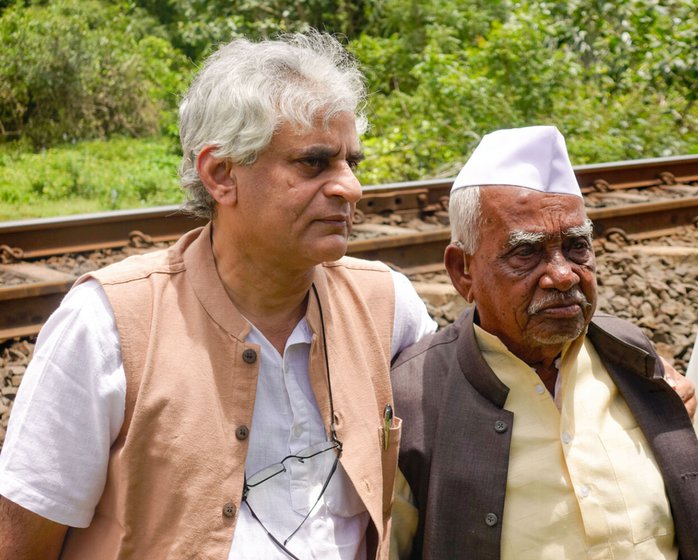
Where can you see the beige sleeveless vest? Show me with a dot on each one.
(175, 474)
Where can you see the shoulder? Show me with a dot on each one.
(366, 279)
(611, 322)
(610, 325)
(350, 264)
(438, 346)
(137, 267)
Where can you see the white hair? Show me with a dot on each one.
(245, 91)
(464, 215)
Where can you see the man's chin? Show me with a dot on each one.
(331, 249)
(559, 332)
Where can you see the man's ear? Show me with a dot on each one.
(457, 264)
(217, 176)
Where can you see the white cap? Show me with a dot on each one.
(534, 157)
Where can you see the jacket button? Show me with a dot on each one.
(500, 426)
(229, 509)
(491, 519)
(249, 356)
(242, 432)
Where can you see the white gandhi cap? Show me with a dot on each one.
(533, 157)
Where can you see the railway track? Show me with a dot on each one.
(630, 201)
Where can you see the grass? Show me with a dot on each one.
(88, 177)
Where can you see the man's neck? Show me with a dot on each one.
(272, 297)
(548, 375)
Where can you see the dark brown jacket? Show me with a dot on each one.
(456, 435)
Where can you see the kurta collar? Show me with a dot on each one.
(203, 277)
(209, 289)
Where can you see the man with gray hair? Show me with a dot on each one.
(534, 428)
(228, 397)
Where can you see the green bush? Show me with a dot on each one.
(88, 177)
(81, 69)
(617, 79)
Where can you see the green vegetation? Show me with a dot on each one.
(89, 88)
(81, 69)
(90, 176)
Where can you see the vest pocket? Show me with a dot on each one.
(389, 458)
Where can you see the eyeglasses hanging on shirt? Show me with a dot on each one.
(314, 465)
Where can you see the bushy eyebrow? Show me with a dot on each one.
(326, 152)
(520, 237)
(358, 156)
(585, 230)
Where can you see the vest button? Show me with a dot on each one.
(249, 356)
(229, 509)
(491, 519)
(500, 426)
(242, 432)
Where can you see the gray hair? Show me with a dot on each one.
(245, 91)
(464, 215)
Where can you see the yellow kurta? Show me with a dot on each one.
(582, 482)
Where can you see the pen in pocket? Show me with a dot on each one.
(387, 424)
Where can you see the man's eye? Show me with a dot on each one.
(314, 162)
(353, 163)
(580, 244)
(523, 251)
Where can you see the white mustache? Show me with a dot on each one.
(557, 298)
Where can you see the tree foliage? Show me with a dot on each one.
(196, 26)
(79, 69)
(619, 78)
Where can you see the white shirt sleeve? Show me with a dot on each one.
(411, 320)
(68, 411)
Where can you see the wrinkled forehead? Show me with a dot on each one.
(518, 208)
(340, 130)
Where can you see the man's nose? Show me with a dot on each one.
(345, 185)
(559, 273)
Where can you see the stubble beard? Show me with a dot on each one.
(563, 332)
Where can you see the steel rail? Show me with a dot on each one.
(49, 236)
(24, 308)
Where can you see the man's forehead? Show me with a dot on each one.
(506, 203)
(319, 134)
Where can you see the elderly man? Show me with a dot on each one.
(536, 429)
(226, 397)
